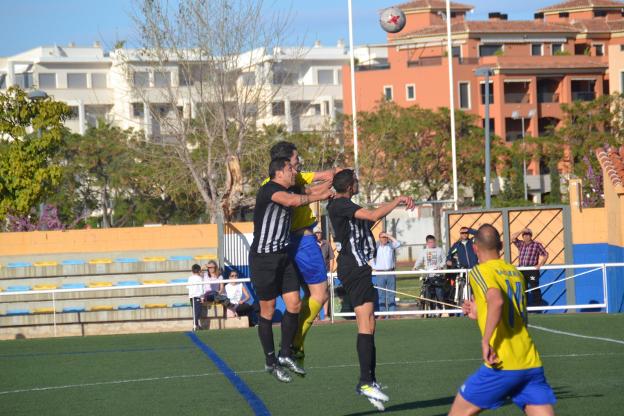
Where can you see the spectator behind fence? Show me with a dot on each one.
(238, 295)
(328, 257)
(431, 259)
(462, 255)
(196, 292)
(532, 254)
(384, 261)
(213, 284)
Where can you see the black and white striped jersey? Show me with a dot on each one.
(271, 221)
(354, 236)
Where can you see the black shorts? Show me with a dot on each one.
(273, 274)
(358, 283)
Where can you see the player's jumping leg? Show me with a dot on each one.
(311, 266)
(265, 333)
(368, 387)
(290, 322)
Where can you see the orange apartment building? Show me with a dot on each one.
(560, 56)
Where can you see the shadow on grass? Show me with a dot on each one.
(564, 392)
(446, 401)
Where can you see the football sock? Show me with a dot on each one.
(366, 351)
(310, 308)
(265, 333)
(290, 321)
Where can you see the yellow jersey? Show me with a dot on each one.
(511, 340)
(302, 217)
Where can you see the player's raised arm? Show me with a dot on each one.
(384, 209)
(295, 200)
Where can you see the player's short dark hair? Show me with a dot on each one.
(196, 268)
(277, 165)
(343, 179)
(282, 149)
(488, 238)
(430, 237)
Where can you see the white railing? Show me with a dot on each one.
(594, 267)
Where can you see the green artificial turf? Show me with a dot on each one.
(421, 361)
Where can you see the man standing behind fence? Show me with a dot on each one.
(532, 254)
(385, 261)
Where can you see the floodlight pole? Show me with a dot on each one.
(353, 106)
(449, 53)
(486, 72)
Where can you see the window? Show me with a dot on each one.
(410, 92)
(325, 76)
(24, 80)
(600, 13)
(387, 90)
(556, 48)
(464, 95)
(162, 79)
(491, 124)
(456, 51)
(490, 50)
(621, 48)
(282, 77)
(138, 110)
(339, 77)
(599, 49)
(491, 93)
(98, 81)
(621, 81)
(564, 14)
(74, 112)
(277, 108)
(76, 80)
(141, 79)
(2, 81)
(248, 79)
(536, 49)
(47, 81)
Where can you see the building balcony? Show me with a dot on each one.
(583, 95)
(428, 61)
(517, 97)
(547, 97)
(372, 67)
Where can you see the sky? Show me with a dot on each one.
(26, 24)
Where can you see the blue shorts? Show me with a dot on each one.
(308, 257)
(488, 388)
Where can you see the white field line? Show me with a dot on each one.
(572, 334)
(183, 376)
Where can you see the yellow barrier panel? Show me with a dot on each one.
(43, 310)
(45, 263)
(101, 261)
(155, 305)
(154, 259)
(100, 284)
(155, 282)
(44, 287)
(206, 257)
(101, 308)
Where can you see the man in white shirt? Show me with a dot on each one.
(433, 258)
(196, 292)
(384, 261)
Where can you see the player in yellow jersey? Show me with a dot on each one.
(303, 246)
(512, 367)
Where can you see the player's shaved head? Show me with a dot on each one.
(488, 238)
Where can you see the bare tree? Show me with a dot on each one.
(204, 75)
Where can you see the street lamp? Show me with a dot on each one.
(486, 72)
(516, 115)
(36, 95)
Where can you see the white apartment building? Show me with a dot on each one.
(305, 84)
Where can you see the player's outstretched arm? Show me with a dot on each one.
(384, 209)
(318, 187)
(295, 200)
(326, 175)
(494, 299)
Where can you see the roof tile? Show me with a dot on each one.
(434, 4)
(612, 162)
(582, 4)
